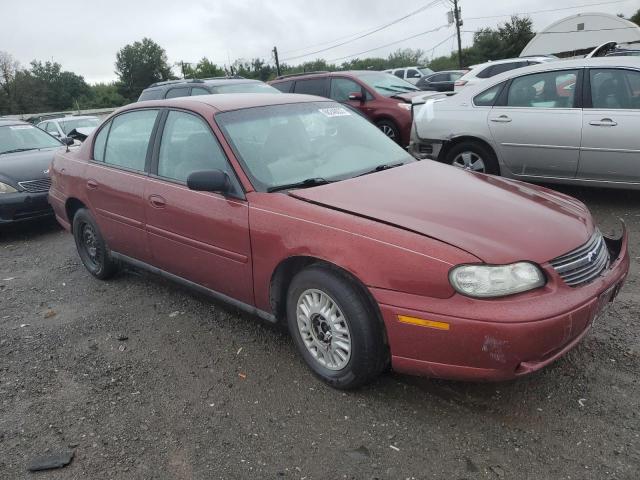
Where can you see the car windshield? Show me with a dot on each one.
(426, 71)
(245, 88)
(19, 138)
(317, 142)
(385, 83)
(69, 125)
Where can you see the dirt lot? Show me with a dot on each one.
(143, 379)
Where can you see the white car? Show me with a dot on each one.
(570, 121)
(62, 127)
(479, 73)
(410, 74)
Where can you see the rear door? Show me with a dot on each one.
(312, 86)
(200, 236)
(610, 147)
(116, 180)
(537, 124)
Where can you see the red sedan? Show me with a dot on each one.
(298, 210)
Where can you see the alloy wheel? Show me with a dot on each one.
(388, 131)
(469, 161)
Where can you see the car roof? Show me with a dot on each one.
(69, 117)
(510, 60)
(200, 83)
(621, 61)
(224, 102)
(338, 73)
(4, 122)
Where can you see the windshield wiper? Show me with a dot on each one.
(406, 87)
(380, 168)
(309, 182)
(16, 150)
(389, 89)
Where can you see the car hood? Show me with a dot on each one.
(497, 220)
(29, 165)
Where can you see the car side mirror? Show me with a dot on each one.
(356, 96)
(68, 141)
(209, 181)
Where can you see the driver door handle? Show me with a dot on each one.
(157, 201)
(501, 119)
(92, 184)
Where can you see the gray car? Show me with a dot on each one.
(570, 121)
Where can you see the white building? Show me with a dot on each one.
(579, 34)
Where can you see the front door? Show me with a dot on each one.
(610, 146)
(200, 236)
(538, 129)
(116, 178)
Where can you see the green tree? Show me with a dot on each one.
(514, 35)
(103, 95)
(405, 58)
(62, 90)
(140, 64)
(635, 18)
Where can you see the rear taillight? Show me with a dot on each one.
(460, 83)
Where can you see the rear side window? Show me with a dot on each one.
(284, 87)
(505, 67)
(188, 146)
(313, 86)
(486, 73)
(155, 94)
(440, 77)
(399, 73)
(615, 88)
(178, 92)
(100, 142)
(488, 97)
(128, 140)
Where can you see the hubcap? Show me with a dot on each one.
(469, 161)
(90, 243)
(388, 131)
(324, 329)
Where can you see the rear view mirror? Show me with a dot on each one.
(356, 96)
(209, 181)
(67, 141)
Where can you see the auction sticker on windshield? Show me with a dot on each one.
(334, 112)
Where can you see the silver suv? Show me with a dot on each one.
(570, 121)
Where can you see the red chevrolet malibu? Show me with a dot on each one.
(299, 210)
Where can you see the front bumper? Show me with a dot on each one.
(425, 149)
(23, 206)
(498, 339)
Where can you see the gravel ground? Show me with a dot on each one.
(143, 379)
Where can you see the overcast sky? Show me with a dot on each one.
(84, 36)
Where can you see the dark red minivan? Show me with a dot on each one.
(383, 98)
(300, 211)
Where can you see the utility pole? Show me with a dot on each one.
(456, 16)
(275, 55)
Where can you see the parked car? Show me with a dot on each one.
(481, 72)
(410, 74)
(299, 210)
(440, 81)
(382, 98)
(206, 86)
(77, 127)
(574, 121)
(25, 155)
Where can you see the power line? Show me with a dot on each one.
(548, 10)
(377, 29)
(389, 44)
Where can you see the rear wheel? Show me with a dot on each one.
(474, 156)
(389, 129)
(334, 328)
(91, 246)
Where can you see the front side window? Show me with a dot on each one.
(177, 92)
(51, 128)
(18, 138)
(412, 73)
(188, 146)
(615, 88)
(399, 73)
(313, 86)
(543, 90)
(128, 140)
(284, 144)
(439, 77)
(155, 94)
(341, 88)
(284, 87)
(488, 97)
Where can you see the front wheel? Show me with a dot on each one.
(473, 156)
(389, 129)
(334, 328)
(91, 246)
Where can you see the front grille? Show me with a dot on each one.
(36, 186)
(585, 263)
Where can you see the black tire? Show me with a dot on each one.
(488, 157)
(390, 129)
(368, 354)
(91, 246)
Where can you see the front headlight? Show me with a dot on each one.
(4, 188)
(484, 281)
(405, 106)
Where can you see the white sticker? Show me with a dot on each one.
(334, 112)
(20, 127)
